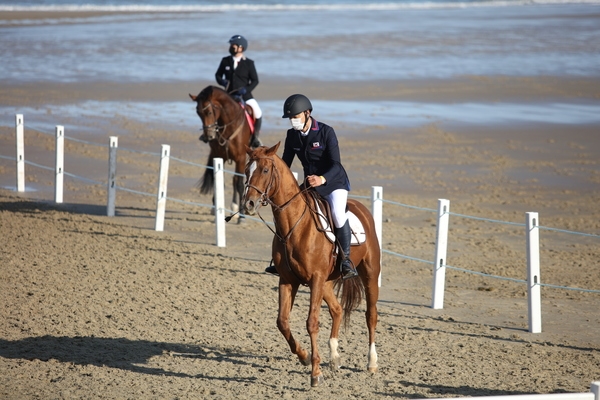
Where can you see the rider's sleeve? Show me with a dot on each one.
(219, 75)
(333, 154)
(252, 77)
(288, 152)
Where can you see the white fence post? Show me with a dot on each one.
(533, 272)
(595, 388)
(441, 246)
(377, 211)
(59, 177)
(219, 201)
(161, 199)
(112, 175)
(20, 153)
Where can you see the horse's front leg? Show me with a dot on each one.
(312, 325)
(287, 293)
(238, 193)
(335, 311)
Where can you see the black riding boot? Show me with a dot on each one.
(255, 142)
(343, 236)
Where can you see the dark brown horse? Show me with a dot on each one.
(227, 130)
(303, 255)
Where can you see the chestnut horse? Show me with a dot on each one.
(227, 130)
(303, 255)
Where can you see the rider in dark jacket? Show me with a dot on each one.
(316, 145)
(238, 76)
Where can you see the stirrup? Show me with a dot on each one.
(271, 269)
(347, 270)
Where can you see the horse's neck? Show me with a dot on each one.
(228, 113)
(290, 210)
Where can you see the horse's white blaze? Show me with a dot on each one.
(251, 170)
(372, 366)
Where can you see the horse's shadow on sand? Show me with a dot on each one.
(37, 206)
(120, 353)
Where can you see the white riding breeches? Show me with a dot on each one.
(337, 201)
(255, 107)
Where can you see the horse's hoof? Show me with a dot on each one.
(335, 364)
(305, 362)
(241, 220)
(316, 380)
(372, 369)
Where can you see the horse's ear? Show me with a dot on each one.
(249, 150)
(193, 97)
(273, 149)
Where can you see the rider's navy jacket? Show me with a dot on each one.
(243, 76)
(320, 155)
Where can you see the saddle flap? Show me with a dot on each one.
(323, 213)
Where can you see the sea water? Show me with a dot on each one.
(337, 41)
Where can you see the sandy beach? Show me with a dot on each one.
(106, 307)
(99, 307)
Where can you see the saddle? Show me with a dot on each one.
(322, 215)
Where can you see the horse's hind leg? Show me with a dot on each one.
(371, 284)
(287, 293)
(335, 311)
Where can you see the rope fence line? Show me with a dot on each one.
(531, 227)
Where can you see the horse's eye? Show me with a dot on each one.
(265, 170)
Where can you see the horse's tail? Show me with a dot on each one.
(207, 182)
(353, 291)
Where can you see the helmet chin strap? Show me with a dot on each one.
(307, 116)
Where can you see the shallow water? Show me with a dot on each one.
(340, 114)
(329, 45)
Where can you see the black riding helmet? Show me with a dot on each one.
(295, 104)
(240, 41)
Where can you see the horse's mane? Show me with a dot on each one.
(205, 93)
(210, 90)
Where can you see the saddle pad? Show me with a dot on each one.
(248, 117)
(358, 231)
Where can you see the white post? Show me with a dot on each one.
(112, 175)
(219, 201)
(377, 211)
(533, 272)
(161, 200)
(60, 164)
(441, 246)
(595, 388)
(20, 153)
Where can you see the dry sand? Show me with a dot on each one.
(100, 307)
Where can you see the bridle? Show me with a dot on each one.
(214, 130)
